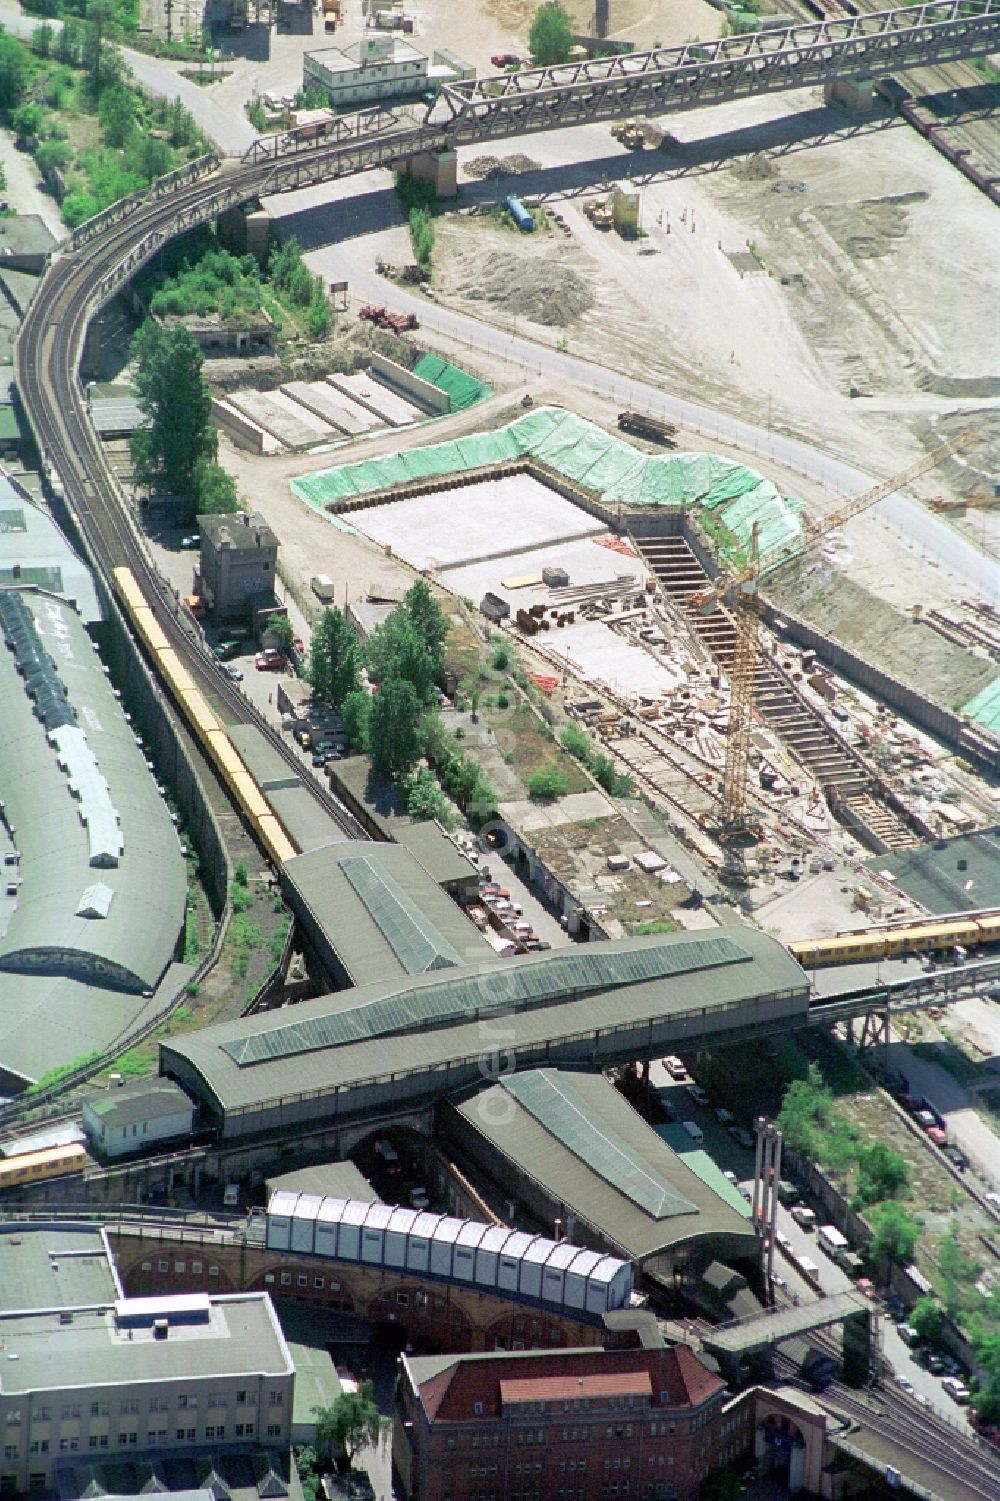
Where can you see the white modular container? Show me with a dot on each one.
(397, 1235)
(532, 1266)
(463, 1266)
(304, 1223)
(373, 1234)
(443, 1246)
(349, 1244)
(577, 1278)
(554, 1272)
(328, 1226)
(488, 1255)
(418, 1246)
(509, 1261)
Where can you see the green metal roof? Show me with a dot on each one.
(591, 1185)
(558, 977)
(560, 1107)
(381, 914)
(417, 943)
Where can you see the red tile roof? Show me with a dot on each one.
(566, 1386)
(676, 1378)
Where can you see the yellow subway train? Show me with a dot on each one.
(965, 930)
(206, 726)
(49, 1162)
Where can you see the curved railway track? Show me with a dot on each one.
(47, 358)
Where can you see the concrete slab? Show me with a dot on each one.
(493, 519)
(323, 402)
(360, 414)
(585, 560)
(284, 418)
(575, 808)
(370, 392)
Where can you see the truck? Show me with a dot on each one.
(832, 1241)
(630, 133)
(694, 1131)
(397, 323)
(331, 15)
(598, 211)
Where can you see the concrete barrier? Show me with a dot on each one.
(244, 433)
(398, 378)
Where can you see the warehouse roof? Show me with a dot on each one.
(574, 1134)
(431, 1020)
(327, 1180)
(381, 802)
(102, 880)
(950, 875)
(31, 542)
(115, 1344)
(381, 912)
(55, 1266)
(147, 1101)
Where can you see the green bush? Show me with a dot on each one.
(500, 660)
(547, 783)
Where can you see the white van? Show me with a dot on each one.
(694, 1131)
(803, 1217)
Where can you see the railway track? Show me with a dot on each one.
(48, 352)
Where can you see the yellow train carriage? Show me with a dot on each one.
(989, 928)
(199, 715)
(50, 1162)
(887, 943)
(275, 841)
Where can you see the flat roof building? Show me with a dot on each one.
(95, 880)
(140, 1379)
(34, 552)
(239, 560)
(566, 1145)
(55, 1266)
(396, 1045)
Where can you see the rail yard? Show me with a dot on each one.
(655, 464)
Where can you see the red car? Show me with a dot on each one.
(505, 60)
(269, 660)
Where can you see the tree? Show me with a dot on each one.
(925, 1318)
(102, 17)
(349, 1424)
(424, 798)
(546, 783)
(215, 489)
(318, 315)
(895, 1233)
(882, 1174)
(41, 39)
(279, 628)
(428, 620)
(356, 712)
(551, 34)
(13, 72)
(116, 113)
(396, 650)
(334, 668)
(805, 1109)
(27, 121)
(395, 740)
(53, 156)
(958, 1271)
(178, 406)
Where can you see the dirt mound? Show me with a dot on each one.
(543, 290)
(867, 230)
(500, 166)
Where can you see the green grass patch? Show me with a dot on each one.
(60, 1072)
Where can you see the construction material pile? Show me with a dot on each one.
(538, 288)
(500, 166)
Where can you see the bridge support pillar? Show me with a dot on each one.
(245, 231)
(856, 94)
(439, 168)
(90, 359)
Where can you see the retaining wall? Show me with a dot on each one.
(397, 377)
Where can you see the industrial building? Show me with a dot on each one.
(566, 1147)
(125, 1118)
(55, 1266)
(95, 882)
(577, 1424)
(387, 1048)
(239, 561)
(372, 913)
(378, 68)
(142, 1382)
(34, 553)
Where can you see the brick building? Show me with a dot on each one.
(572, 1425)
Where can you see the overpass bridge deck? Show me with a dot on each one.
(779, 1324)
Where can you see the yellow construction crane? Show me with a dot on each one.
(742, 585)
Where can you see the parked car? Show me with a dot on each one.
(675, 1067)
(724, 1117)
(269, 660)
(419, 1198)
(194, 540)
(696, 1094)
(908, 1334)
(740, 1135)
(904, 1382)
(957, 1390)
(234, 672)
(505, 60)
